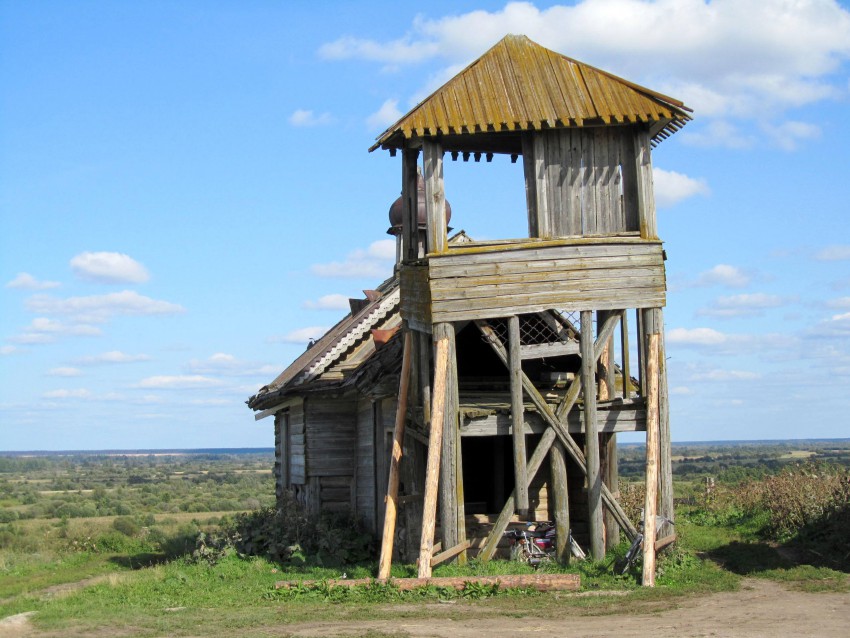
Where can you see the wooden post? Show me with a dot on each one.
(664, 440)
(650, 504)
(409, 204)
(398, 439)
(591, 436)
(432, 472)
(424, 360)
(560, 493)
(450, 452)
(517, 420)
(435, 196)
(605, 367)
(624, 343)
(611, 479)
(645, 191)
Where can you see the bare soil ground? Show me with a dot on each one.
(760, 608)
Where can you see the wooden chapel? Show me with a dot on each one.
(592, 253)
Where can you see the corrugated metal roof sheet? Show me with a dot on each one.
(519, 85)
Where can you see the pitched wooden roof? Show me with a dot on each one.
(519, 85)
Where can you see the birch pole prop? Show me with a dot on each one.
(650, 504)
(398, 440)
(432, 471)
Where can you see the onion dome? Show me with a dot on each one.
(395, 209)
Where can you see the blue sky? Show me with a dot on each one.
(186, 197)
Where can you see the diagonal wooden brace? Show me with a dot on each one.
(558, 425)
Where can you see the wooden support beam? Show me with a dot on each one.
(435, 196)
(518, 422)
(432, 472)
(443, 556)
(645, 193)
(605, 367)
(385, 561)
(625, 354)
(650, 504)
(451, 477)
(409, 203)
(591, 438)
(611, 479)
(557, 424)
(665, 451)
(560, 493)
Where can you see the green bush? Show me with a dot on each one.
(126, 525)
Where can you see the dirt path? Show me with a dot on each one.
(760, 608)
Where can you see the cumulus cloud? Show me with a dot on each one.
(328, 302)
(789, 135)
(746, 305)
(724, 275)
(840, 302)
(838, 252)
(374, 262)
(113, 356)
(301, 336)
(7, 350)
(672, 187)
(178, 382)
(25, 281)
(305, 118)
(385, 116)
(109, 268)
(747, 59)
(100, 308)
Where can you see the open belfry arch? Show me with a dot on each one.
(592, 268)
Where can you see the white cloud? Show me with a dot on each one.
(26, 281)
(788, 135)
(80, 393)
(44, 330)
(301, 336)
(718, 133)
(7, 350)
(672, 187)
(837, 252)
(374, 262)
(724, 275)
(109, 268)
(681, 390)
(178, 382)
(99, 308)
(747, 59)
(304, 118)
(742, 305)
(696, 336)
(226, 364)
(328, 302)
(385, 116)
(114, 356)
(64, 372)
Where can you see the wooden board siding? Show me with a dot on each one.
(487, 281)
(297, 459)
(330, 430)
(415, 296)
(365, 500)
(616, 419)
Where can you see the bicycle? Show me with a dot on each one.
(535, 546)
(637, 544)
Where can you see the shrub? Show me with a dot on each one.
(126, 526)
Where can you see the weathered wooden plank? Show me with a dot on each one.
(542, 350)
(448, 486)
(628, 166)
(450, 553)
(645, 194)
(536, 250)
(624, 273)
(518, 430)
(432, 473)
(541, 187)
(410, 205)
(385, 560)
(435, 196)
(494, 268)
(605, 281)
(651, 503)
(594, 479)
(539, 582)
